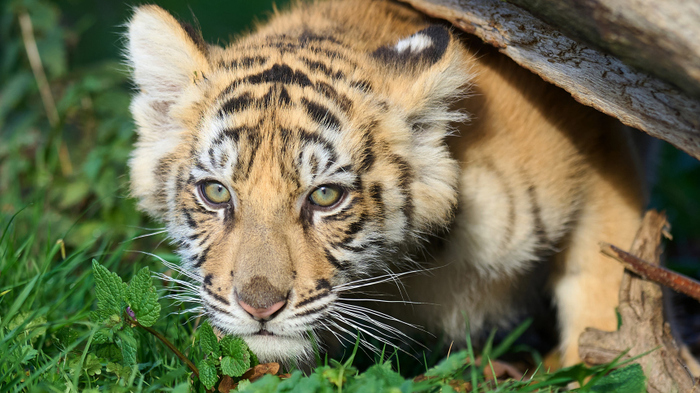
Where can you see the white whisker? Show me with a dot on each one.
(384, 301)
(145, 235)
(355, 309)
(364, 282)
(364, 343)
(366, 330)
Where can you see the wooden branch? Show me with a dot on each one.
(657, 274)
(592, 77)
(661, 40)
(643, 327)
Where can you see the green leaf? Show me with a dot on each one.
(127, 344)
(92, 365)
(457, 361)
(233, 346)
(336, 376)
(122, 372)
(74, 193)
(235, 367)
(207, 374)
(242, 385)
(236, 359)
(183, 388)
(141, 296)
(103, 336)
(253, 358)
(67, 335)
(107, 318)
(15, 87)
(576, 373)
(379, 378)
(109, 352)
(208, 340)
(313, 383)
(287, 384)
(36, 324)
(269, 383)
(109, 289)
(23, 354)
(629, 379)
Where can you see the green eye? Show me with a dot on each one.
(326, 196)
(215, 192)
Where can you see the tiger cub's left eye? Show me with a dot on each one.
(215, 193)
(326, 196)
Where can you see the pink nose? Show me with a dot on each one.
(262, 313)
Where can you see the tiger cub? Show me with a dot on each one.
(347, 145)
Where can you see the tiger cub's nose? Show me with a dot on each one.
(261, 299)
(262, 312)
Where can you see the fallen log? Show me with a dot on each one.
(592, 77)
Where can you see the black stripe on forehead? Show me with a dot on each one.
(243, 62)
(280, 73)
(343, 102)
(245, 100)
(309, 138)
(294, 45)
(229, 135)
(321, 114)
(236, 104)
(308, 36)
(315, 65)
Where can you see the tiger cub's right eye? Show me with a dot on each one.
(326, 196)
(215, 193)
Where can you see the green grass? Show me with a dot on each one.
(64, 203)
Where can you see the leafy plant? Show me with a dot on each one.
(122, 307)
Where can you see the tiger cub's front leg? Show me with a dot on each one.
(585, 282)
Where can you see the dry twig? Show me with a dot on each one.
(658, 274)
(32, 50)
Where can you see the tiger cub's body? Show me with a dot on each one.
(329, 150)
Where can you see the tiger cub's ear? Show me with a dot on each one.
(166, 56)
(428, 70)
(167, 59)
(425, 47)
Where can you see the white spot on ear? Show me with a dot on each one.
(414, 43)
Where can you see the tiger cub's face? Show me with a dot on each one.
(289, 166)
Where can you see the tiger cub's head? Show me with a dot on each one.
(288, 166)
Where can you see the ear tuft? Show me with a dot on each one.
(195, 35)
(164, 53)
(426, 46)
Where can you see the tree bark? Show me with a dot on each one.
(592, 77)
(643, 329)
(659, 37)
